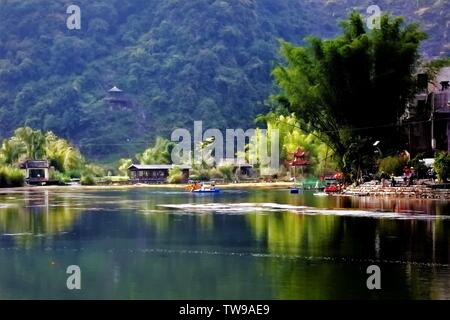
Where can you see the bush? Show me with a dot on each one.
(227, 172)
(215, 174)
(442, 165)
(123, 166)
(74, 174)
(94, 170)
(60, 177)
(11, 177)
(175, 175)
(393, 164)
(419, 165)
(201, 174)
(87, 180)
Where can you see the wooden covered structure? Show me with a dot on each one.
(154, 173)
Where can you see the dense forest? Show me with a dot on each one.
(177, 61)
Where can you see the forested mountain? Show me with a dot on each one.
(176, 60)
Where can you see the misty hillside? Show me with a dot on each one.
(177, 61)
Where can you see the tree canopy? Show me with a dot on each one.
(177, 60)
(352, 89)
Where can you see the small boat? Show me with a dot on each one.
(296, 188)
(203, 188)
(333, 188)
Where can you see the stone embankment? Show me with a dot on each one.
(416, 191)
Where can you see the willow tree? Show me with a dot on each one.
(63, 156)
(352, 89)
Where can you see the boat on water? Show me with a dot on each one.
(333, 188)
(295, 190)
(204, 187)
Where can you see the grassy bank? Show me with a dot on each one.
(11, 177)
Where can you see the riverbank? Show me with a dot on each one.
(416, 192)
(244, 185)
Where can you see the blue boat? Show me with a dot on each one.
(295, 190)
(206, 188)
(207, 191)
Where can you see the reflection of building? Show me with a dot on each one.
(428, 116)
(116, 98)
(37, 171)
(155, 173)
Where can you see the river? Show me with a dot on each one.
(256, 244)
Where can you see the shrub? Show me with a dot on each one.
(59, 176)
(175, 175)
(419, 165)
(94, 170)
(215, 174)
(123, 166)
(74, 174)
(87, 180)
(392, 164)
(201, 174)
(11, 177)
(227, 172)
(442, 165)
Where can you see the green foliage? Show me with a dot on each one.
(392, 165)
(175, 175)
(442, 165)
(59, 176)
(11, 151)
(292, 137)
(92, 170)
(432, 67)
(11, 177)
(160, 153)
(178, 60)
(420, 167)
(353, 87)
(200, 173)
(175, 70)
(123, 166)
(226, 172)
(87, 180)
(33, 140)
(33, 144)
(63, 156)
(359, 158)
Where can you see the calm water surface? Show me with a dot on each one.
(262, 244)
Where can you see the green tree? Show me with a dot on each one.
(34, 141)
(355, 85)
(442, 166)
(124, 164)
(11, 151)
(160, 153)
(292, 137)
(63, 156)
(175, 175)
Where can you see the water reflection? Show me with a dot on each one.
(128, 246)
(32, 215)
